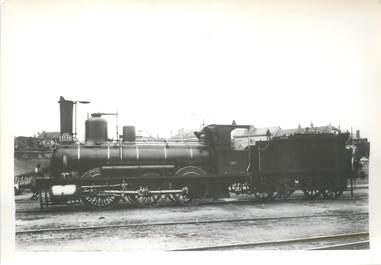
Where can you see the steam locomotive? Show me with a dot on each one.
(100, 172)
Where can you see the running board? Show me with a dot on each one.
(138, 167)
(141, 192)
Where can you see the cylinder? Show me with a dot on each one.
(129, 134)
(96, 130)
(66, 116)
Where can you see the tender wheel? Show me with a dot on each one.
(332, 190)
(331, 194)
(264, 192)
(239, 188)
(311, 193)
(283, 194)
(263, 196)
(289, 193)
(236, 188)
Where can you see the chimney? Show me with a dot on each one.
(66, 116)
(358, 134)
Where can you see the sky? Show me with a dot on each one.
(165, 65)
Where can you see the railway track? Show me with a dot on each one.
(301, 241)
(364, 244)
(197, 222)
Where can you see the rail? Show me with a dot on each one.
(279, 242)
(198, 222)
(352, 245)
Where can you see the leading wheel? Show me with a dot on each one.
(95, 199)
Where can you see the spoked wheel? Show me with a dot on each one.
(239, 188)
(100, 201)
(264, 192)
(263, 196)
(311, 193)
(95, 199)
(194, 191)
(236, 188)
(289, 193)
(331, 194)
(144, 199)
(333, 188)
(246, 188)
(198, 188)
(283, 194)
(277, 195)
(179, 198)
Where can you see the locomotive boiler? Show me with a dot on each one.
(125, 157)
(100, 172)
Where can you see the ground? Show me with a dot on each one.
(141, 231)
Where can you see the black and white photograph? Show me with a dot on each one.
(192, 126)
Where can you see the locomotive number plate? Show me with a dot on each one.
(66, 137)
